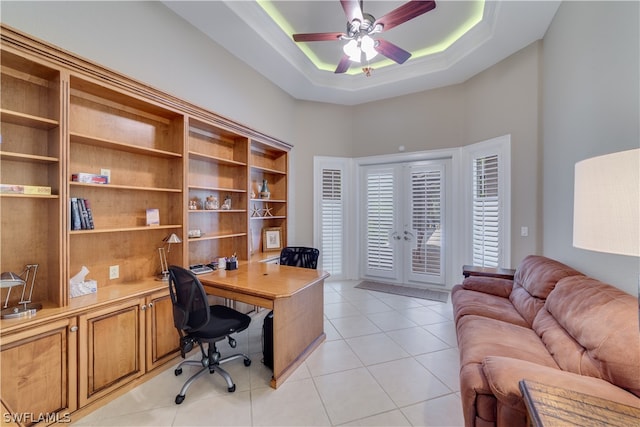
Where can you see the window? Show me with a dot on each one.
(330, 214)
(489, 211)
(486, 214)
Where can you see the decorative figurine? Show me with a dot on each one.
(226, 205)
(212, 203)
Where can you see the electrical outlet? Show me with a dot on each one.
(114, 272)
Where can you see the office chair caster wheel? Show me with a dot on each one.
(232, 389)
(178, 372)
(179, 399)
(247, 362)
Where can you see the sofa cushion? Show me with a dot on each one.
(604, 321)
(538, 275)
(489, 285)
(468, 302)
(535, 277)
(479, 337)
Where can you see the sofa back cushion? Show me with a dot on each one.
(599, 324)
(535, 277)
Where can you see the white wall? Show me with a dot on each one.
(502, 100)
(591, 107)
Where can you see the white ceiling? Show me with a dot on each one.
(246, 30)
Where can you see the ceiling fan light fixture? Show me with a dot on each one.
(352, 50)
(368, 46)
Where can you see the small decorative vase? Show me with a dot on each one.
(264, 190)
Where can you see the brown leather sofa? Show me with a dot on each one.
(550, 324)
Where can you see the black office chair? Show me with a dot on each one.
(299, 256)
(199, 323)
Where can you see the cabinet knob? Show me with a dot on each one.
(150, 305)
(74, 328)
(144, 307)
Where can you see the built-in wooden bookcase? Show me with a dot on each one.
(141, 145)
(62, 115)
(217, 169)
(31, 153)
(270, 164)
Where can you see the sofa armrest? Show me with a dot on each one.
(501, 273)
(504, 374)
(488, 285)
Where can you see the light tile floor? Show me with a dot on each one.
(388, 361)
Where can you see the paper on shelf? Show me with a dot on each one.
(80, 286)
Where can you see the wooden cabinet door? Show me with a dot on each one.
(111, 348)
(38, 369)
(163, 340)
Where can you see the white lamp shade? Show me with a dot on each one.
(352, 50)
(172, 238)
(606, 208)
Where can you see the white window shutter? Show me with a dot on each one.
(427, 194)
(332, 221)
(486, 227)
(380, 220)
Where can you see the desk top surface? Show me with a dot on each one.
(265, 280)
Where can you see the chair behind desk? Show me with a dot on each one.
(300, 256)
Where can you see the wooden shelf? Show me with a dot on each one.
(21, 157)
(268, 170)
(30, 196)
(225, 190)
(205, 237)
(121, 146)
(212, 211)
(124, 187)
(214, 159)
(125, 229)
(269, 200)
(16, 118)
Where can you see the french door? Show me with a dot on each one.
(404, 222)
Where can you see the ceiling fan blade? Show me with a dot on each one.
(317, 37)
(343, 65)
(405, 13)
(352, 9)
(392, 51)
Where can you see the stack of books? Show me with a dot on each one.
(81, 216)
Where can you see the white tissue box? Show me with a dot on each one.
(84, 288)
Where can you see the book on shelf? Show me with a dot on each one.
(39, 190)
(81, 215)
(89, 178)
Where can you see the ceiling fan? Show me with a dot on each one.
(361, 26)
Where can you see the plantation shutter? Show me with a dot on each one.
(380, 220)
(486, 212)
(332, 221)
(427, 195)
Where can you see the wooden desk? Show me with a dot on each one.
(555, 406)
(296, 296)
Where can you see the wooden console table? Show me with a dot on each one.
(550, 406)
(296, 296)
(501, 273)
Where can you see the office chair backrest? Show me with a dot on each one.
(300, 256)
(190, 303)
